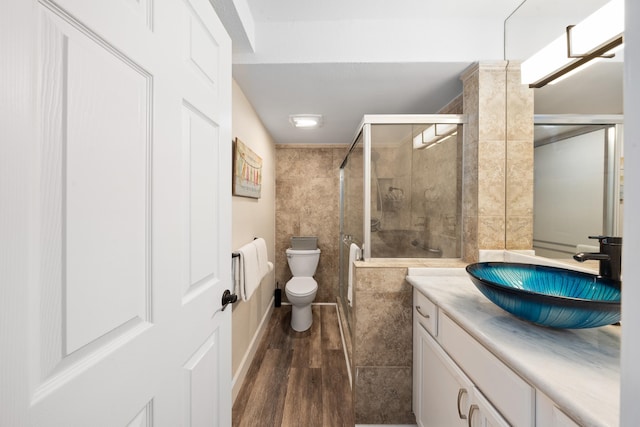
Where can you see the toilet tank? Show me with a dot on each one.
(303, 263)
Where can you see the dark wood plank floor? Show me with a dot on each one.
(297, 378)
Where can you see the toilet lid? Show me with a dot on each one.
(301, 286)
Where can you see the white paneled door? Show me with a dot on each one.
(114, 214)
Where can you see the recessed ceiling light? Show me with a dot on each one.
(306, 121)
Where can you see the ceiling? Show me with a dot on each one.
(347, 58)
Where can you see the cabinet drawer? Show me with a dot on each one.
(425, 312)
(548, 414)
(510, 394)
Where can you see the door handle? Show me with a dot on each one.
(228, 298)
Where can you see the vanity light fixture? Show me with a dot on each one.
(597, 36)
(306, 121)
(434, 134)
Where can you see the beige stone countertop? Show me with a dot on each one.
(579, 369)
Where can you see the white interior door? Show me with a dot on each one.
(115, 214)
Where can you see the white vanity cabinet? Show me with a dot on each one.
(457, 382)
(515, 373)
(447, 397)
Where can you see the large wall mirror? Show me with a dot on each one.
(578, 134)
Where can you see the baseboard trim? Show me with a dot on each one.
(239, 377)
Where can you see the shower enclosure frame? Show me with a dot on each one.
(365, 129)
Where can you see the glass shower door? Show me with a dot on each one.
(351, 217)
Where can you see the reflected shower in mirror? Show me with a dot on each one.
(578, 176)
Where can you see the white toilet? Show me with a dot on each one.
(302, 288)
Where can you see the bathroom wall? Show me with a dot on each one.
(453, 107)
(252, 218)
(308, 204)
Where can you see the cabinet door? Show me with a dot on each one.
(425, 317)
(417, 370)
(445, 392)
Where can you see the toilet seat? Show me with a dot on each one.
(301, 286)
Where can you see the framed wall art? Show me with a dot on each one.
(247, 171)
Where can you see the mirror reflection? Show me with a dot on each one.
(578, 134)
(578, 174)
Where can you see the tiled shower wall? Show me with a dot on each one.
(435, 194)
(308, 204)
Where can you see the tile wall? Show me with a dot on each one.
(308, 204)
(497, 205)
(382, 346)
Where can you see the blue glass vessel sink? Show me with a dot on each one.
(549, 296)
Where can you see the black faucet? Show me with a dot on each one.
(610, 256)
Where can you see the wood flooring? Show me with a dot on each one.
(297, 378)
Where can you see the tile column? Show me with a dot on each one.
(497, 204)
